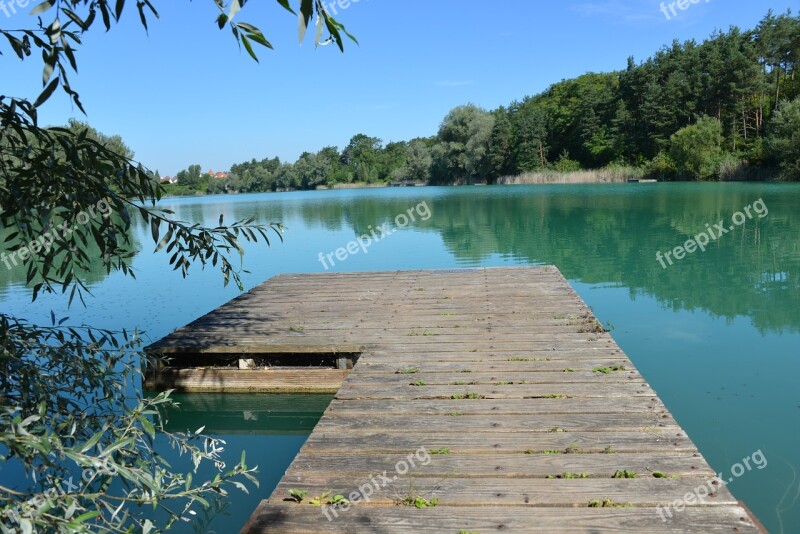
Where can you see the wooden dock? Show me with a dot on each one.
(487, 399)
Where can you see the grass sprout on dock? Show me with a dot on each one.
(610, 369)
(608, 503)
(468, 395)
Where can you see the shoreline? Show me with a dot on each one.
(597, 176)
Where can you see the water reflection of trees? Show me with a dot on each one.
(598, 235)
(611, 235)
(97, 272)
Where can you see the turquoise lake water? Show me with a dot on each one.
(717, 333)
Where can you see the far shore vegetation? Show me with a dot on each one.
(726, 109)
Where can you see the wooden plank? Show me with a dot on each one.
(567, 356)
(502, 492)
(475, 374)
(381, 322)
(501, 406)
(357, 390)
(360, 466)
(283, 518)
(562, 422)
(226, 345)
(431, 365)
(400, 441)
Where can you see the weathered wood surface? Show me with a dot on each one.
(504, 374)
(252, 381)
(293, 519)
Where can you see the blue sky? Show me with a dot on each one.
(185, 94)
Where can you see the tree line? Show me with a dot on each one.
(723, 109)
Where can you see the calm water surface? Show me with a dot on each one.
(717, 334)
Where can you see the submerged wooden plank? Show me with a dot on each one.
(249, 381)
(524, 408)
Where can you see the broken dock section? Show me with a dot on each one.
(469, 400)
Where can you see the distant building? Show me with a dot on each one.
(217, 175)
(169, 180)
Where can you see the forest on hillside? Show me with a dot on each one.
(723, 109)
